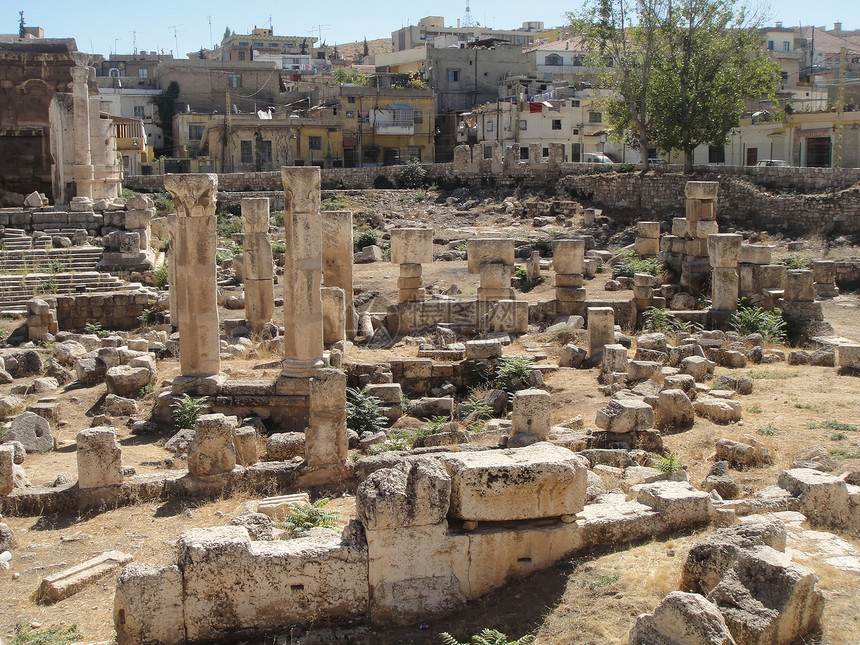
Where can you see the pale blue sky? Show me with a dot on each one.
(106, 27)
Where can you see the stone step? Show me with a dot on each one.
(70, 581)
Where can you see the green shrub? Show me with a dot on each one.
(663, 320)
(147, 317)
(631, 265)
(53, 635)
(303, 517)
(227, 224)
(146, 390)
(96, 328)
(796, 262)
(832, 424)
(382, 182)
(279, 248)
(161, 277)
(368, 237)
(669, 463)
(163, 203)
(412, 175)
(278, 218)
(186, 410)
(754, 320)
(363, 411)
(478, 407)
(514, 373)
(767, 430)
(542, 245)
(487, 637)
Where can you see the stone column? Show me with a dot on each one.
(601, 329)
(196, 281)
(258, 275)
(99, 458)
(410, 248)
(83, 168)
(724, 251)
(303, 319)
(337, 260)
(326, 442)
(701, 222)
(409, 284)
(647, 243)
(824, 274)
(568, 261)
(172, 289)
(334, 314)
(530, 419)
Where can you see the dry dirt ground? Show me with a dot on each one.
(591, 599)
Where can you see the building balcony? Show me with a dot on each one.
(394, 129)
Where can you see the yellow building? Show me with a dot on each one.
(131, 144)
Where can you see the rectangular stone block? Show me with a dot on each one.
(7, 470)
(622, 416)
(496, 276)
(601, 329)
(70, 581)
(541, 480)
(799, 285)
(99, 458)
(848, 357)
(277, 507)
(706, 227)
(489, 250)
(511, 316)
(412, 245)
(679, 226)
(568, 256)
(645, 246)
(531, 413)
(334, 314)
(648, 229)
(755, 254)
(724, 249)
(574, 280)
(724, 289)
(698, 210)
(701, 190)
(570, 294)
(480, 349)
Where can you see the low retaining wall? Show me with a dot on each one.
(112, 310)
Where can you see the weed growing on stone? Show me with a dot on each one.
(147, 317)
(53, 635)
(487, 637)
(514, 373)
(186, 410)
(363, 411)
(754, 320)
(669, 463)
(630, 264)
(477, 407)
(160, 277)
(304, 516)
(663, 320)
(96, 328)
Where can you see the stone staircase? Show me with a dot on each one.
(17, 289)
(75, 258)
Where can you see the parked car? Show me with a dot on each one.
(773, 162)
(596, 157)
(656, 161)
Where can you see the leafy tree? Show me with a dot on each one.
(623, 37)
(227, 33)
(165, 107)
(366, 48)
(713, 59)
(344, 76)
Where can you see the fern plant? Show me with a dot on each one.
(514, 373)
(669, 463)
(488, 637)
(663, 320)
(480, 409)
(160, 277)
(754, 320)
(303, 517)
(363, 411)
(186, 410)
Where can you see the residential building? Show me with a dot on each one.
(133, 103)
(131, 143)
(135, 70)
(432, 30)
(245, 47)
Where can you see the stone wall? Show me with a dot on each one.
(96, 224)
(112, 310)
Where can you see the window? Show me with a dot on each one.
(315, 143)
(143, 72)
(241, 55)
(273, 44)
(417, 117)
(489, 126)
(786, 46)
(244, 44)
(350, 114)
(595, 117)
(234, 80)
(364, 116)
(246, 154)
(574, 103)
(553, 59)
(556, 124)
(139, 111)
(488, 152)
(576, 131)
(770, 45)
(259, 45)
(716, 154)
(289, 45)
(524, 125)
(371, 155)
(453, 75)
(415, 153)
(195, 131)
(350, 99)
(524, 153)
(266, 151)
(545, 152)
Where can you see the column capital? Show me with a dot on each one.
(301, 189)
(194, 195)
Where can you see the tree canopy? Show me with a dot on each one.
(677, 72)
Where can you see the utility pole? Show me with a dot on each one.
(840, 104)
(228, 126)
(175, 39)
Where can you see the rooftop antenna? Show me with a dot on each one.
(21, 23)
(175, 37)
(468, 20)
(211, 42)
(134, 39)
(319, 29)
(270, 23)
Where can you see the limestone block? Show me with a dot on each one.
(531, 413)
(411, 245)
(848, 356)
(824, 271)
(625, 415)
(711, 557)
(32, 431)
(614, 359)
(70, 581)
(677, 501)
(334, 314)
(568, 256)
(415, 493)
(283, 446)
(277, 507)
(724, 249)
(698, 210)
(695, 366)
(646, 246)
(569, 280)
(266, 585)
(245, 443)
(391, 397)
(511, 316)
(573, 356)
(706, 227)
(638, 370)
(7, 469)
(825, 499)
(680, 617)
(799, 285)
(496, 276)
(212, 451)
(767, 598)
(489, 250)
(148, 605)
(679, 226)
(601, 329)
(743, 454)
(674, 410)
(326, 441)
(482, 349)
(646, 280)
(127, 381)
(724, 289)
(755, 254)
(540, 480)
(649, 230)
(99, 458)
(701, 190)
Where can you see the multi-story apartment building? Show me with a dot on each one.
(432, 30)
